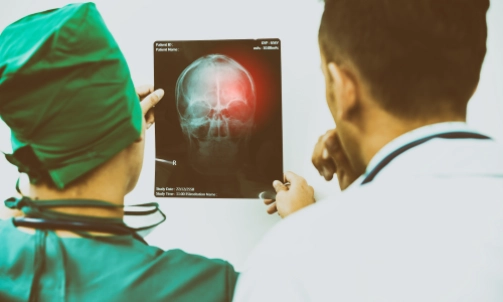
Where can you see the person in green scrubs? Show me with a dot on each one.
(78, 131)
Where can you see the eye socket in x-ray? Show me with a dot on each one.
(219, 126)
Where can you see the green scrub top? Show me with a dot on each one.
(115, 268)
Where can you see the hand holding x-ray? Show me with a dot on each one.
(291, 196)
(149, 98)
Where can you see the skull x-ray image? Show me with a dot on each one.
(215, 99)
(218, 127)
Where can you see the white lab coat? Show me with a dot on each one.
(429, 227)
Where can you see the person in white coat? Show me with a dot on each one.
(420, 217)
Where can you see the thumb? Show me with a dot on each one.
(279, 186)
(293, 178)
(151, 100)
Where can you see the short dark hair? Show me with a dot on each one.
(418, 56)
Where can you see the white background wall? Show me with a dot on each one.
(230, 228)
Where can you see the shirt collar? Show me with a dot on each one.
(414, 135)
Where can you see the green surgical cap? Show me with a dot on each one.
(66, 93)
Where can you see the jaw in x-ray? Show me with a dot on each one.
(216, 101)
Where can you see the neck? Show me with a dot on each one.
(380, 133)
(44, 192)
(103, 183)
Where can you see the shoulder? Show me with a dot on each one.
(178, 262)
(205, 276)
(448, 158)
(4, 223)
(179, 257)
(171, 275)
(8, 231)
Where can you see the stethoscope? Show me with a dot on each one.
(271, 194)
(82, 227)
(39, 216)
(448, 135)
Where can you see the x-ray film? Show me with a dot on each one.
(218, 129)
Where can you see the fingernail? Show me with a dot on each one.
(159, 93)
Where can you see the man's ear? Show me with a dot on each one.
(346, 95)
(139, 139)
